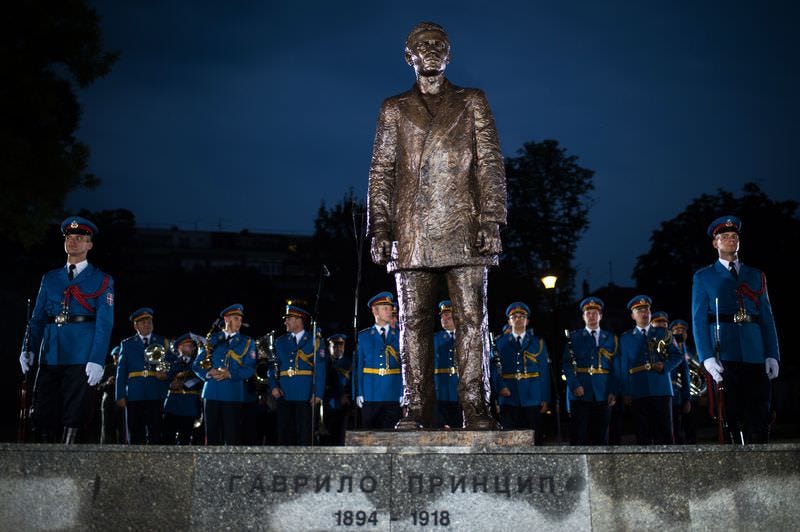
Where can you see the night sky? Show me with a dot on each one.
(243, 114)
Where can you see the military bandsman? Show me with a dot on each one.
(338, 389)
(445, 378)
(182, 406)
(647, 356)
(742, 352)
(142, 379)
(298, 382)
(682, 407)
(523, 375)
(379, 384)
(224, 363)
(71, 328)
(588, 366)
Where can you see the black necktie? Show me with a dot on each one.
(732, 269)
(519, 341)
(145, 341)
(383, 334)
(594, 336)
(71, 273)
(644, 332)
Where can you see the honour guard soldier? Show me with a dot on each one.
(182, 406)
(682, 424)
(71, 328)
(379, 384)
(338, 389)
(112, 421)
(445, 371)
(224, 363)
(732, 315)
(142, 379)
(523, 375)
(647, 356)
(299, 382)
(659, 319)
(588, 362)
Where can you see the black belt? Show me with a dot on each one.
(728, 318)
(72, 319)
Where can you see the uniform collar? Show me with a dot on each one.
(79, 267)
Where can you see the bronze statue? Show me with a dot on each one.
(437, 197)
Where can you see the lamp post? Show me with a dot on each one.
(549, 282)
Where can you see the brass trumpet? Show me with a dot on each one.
(155, 355)
(207, 363)
(267, 358)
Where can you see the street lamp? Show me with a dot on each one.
(549, 282)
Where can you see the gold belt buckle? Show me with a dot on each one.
(61, 318)
(452, 370)
(591, 370)
(741, 316)
(290, 372)
(382, 372)
(519, 375)
(647, 366)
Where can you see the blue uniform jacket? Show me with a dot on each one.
(635, 352)
(339, 381)
(525, 371)
(377, 365)
(73, 343)
(296, 367)
(238, 355)
(594, 364)
(135, 378)
(186, 401)
(745, 342)
(445, 373)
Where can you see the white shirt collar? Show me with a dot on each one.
(727, 263)
(299, 335)
(384, 327)
(79, 267)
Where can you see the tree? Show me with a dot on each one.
(47, 49)
(548, 206)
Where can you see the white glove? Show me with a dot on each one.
(400, 401)
(713, 368)
(771, 366)
(94, 372)
(360, 401)
(26, 360)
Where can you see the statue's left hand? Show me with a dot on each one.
(489, 239)
(381, 249)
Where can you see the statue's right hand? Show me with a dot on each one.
(381, 249)
(25, 361)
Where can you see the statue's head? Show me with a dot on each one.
(428, 49)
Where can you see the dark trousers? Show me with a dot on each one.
(653, 418)
(294, 422)
(380, 415)
(144, 422)
(522, 417)
(222, 419)
(684, 427)
(449, 413)
(112, 422)
(748, 394)
(250, 429)
(336, 425)
(178, 429)
(589, 423)
(61, 399)
(616, 425)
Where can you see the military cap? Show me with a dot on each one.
(297, 312)
(659, 316)
(678, 323)
(384, 298)
(234, 310)
(445, 306)
(724, 224)
(517, 306)
(591, 303)
(337, 338)
(182, 339)
(639, 301)
(76, 225)
(140, 314)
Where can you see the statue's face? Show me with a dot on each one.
(428, 53)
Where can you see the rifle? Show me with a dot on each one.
(722, 423)
(24, 403)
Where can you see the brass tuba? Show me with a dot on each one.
(155, 355)
(697, 381)
(267, 358)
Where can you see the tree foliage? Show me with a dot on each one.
(548, 206)
(47, 50)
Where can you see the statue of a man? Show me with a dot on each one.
(437, 198)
